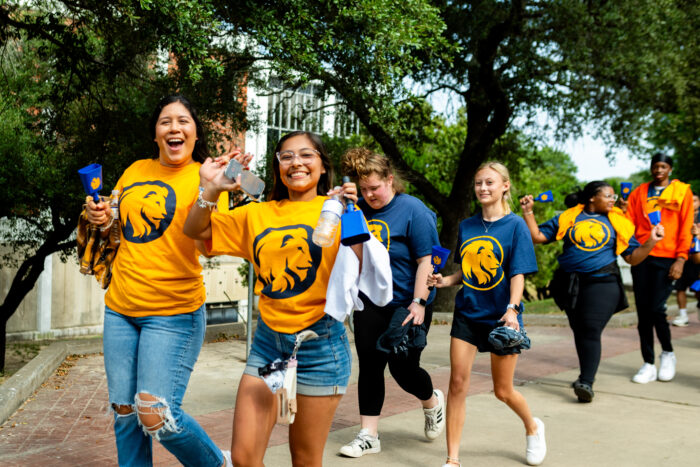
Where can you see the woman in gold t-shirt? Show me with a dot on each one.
(292, 276)
(155, 316)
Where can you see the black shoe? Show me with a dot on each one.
(583, 391)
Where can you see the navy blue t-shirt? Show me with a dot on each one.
(589, 244)
(489, 260)
(408, 230)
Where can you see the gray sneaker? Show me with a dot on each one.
(435, 417)
(363, 444)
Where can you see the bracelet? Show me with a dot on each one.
(203, 203)
(527, 212)
(109, 224)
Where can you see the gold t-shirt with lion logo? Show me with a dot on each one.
(291, 271)
(157, 269)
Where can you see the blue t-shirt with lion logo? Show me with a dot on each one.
(490, 254)
(408, 229)
(588, 245)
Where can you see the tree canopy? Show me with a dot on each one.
(80, 76)
(78, 81)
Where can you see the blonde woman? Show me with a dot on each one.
(495, 252)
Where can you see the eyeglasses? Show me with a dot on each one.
(612, 197)
(306, 156)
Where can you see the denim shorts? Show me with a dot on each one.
(477, 334)
(323, 363)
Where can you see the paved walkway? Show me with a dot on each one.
(65, 423)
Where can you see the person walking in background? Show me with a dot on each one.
(408, 229)
(495, 253)
(292, 277)
(652, 279)
(588, 285)
(155, 315)
(691, 271)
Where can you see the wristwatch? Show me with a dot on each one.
(512, 306)
(419, 301)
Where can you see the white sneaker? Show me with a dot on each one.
(667, 367)
(681, 320)
(435, 417)
(227, 458)
(646, 374)
(363, 444)
(536, 445)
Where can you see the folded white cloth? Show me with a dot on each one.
(347, 280)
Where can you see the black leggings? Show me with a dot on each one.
(652, 287)
(595, 305)
(370, 323)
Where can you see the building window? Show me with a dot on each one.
(302, 109)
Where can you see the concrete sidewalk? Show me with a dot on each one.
(65, 422)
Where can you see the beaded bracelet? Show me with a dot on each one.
(203, 203)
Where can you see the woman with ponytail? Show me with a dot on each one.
(494, 253)
(408, 229)
(588, 285)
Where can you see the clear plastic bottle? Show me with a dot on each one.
(324, 233)
(115, 229)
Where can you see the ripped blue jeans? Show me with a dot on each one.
(148, 361)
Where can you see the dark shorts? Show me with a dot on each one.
(477, 334)
(691, 273)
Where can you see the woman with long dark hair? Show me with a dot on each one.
(587, 284)
(292, 277)
(155, 316)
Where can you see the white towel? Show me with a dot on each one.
(346, 280)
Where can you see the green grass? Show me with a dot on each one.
(542, 307)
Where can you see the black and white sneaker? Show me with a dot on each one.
(435, 417)
(363, 444)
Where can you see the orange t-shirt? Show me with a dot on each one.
(291, 271)
(157, 269)
(676, 222)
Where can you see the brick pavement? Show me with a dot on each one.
(66, 422)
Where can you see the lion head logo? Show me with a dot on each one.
(95, 183)
(589, 234)
(146, 209)
(380, 230)
(481, 262)
(286, 259)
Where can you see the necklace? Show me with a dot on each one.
(486, 228)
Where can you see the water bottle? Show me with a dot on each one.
(324, 233)
(115, 229)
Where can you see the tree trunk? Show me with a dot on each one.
(3, 326)
(27, 275)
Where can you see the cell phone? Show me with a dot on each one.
(251, 184)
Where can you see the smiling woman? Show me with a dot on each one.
(293, 275)
(594, 232)
(178, 135)
(154, 316)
